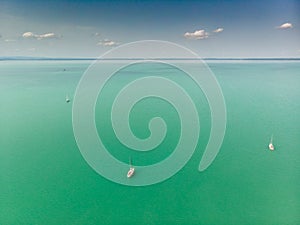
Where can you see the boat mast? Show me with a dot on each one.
(271, 139)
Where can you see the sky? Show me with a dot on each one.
(211, 28)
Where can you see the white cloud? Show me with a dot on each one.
(198, 34)
(218, 30)
(48, 35)
(108, 43)
(28, 35)
(40, 36)
(96, 34)
(285, 26)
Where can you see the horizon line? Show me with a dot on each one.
(28, 58)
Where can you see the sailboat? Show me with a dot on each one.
(67, 99)
(130, 172)
(271, 146)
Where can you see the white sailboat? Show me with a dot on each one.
(130, 172)
(271, 146)
(68, 99)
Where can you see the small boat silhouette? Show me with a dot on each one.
(68, 99)
(271, 146)
(130, 172)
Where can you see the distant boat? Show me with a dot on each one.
(130, 172)
(271, 146)
(68, 99)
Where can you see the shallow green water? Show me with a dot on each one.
(45, 180)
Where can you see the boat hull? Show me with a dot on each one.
(130, 173)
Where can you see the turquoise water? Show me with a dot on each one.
(45, 180)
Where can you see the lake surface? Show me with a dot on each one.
(44, 179)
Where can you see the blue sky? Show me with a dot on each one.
(211, 28)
